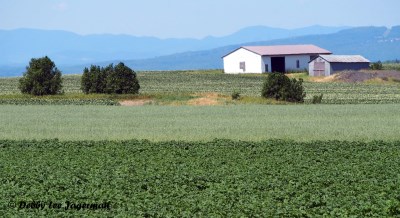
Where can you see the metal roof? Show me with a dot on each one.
(345, 58)
(286, 50)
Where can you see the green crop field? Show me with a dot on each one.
(220, 178)
(192, 123)
(190, 82)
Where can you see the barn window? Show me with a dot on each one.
(266, 68)
(298, 64)
(242, 66)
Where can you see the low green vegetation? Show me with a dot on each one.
(317, 99)
(235, 95)
(55, 101)
(189, 123)
(393, 65)
(221, 178)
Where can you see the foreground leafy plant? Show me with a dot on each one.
(217, 178)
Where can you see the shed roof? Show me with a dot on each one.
(286, 50)
(345, 58)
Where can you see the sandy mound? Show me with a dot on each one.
(361, 76)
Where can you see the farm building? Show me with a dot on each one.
(263, 59)
(325, 65)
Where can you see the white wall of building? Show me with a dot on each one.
(291, 62)
(266, 60)
(311, 68)
(252, 61)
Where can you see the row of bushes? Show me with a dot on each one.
(119, 80)
(43, 78)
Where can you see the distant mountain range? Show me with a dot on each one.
(374, 43)
(18, 46)
(72, 52)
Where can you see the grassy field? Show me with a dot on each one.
(191, 123)
(221, 178)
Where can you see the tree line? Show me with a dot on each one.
(43, 78)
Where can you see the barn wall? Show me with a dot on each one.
(290, 62)
(348, 66)
(311, 67)
(232, 62)
(328, 68)
(266, 60)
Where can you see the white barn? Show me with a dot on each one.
(326, 65)
(263, 59)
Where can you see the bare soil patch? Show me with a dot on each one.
(324, 79)
(138, 102)
(206, 99)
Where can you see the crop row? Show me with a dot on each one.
(44, 101)
(223, 178)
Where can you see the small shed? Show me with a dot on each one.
(326, 65)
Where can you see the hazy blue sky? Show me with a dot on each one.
(192, 18)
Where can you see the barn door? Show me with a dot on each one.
(278, 64)
(319, 68)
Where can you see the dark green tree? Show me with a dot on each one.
(376, 66)
(281, 87)
(41, 78)
(113, 80)
(93, 80)
(121, 80)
